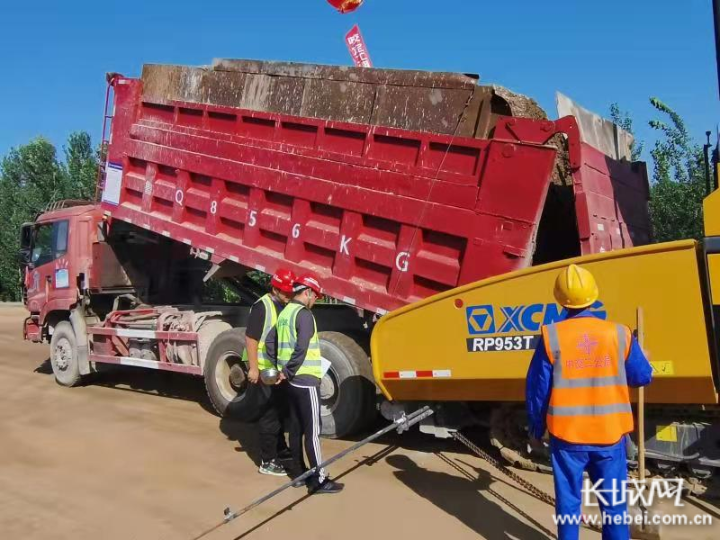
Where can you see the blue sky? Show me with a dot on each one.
(53, 55)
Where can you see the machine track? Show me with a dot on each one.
(508, 433)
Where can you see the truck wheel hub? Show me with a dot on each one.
(237, 377)
(63, 354)
(329, 390)
(229, 375)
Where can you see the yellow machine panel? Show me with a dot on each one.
(475, 343)
(711, 214)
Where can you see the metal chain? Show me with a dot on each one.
(545, 497)
(541, 495)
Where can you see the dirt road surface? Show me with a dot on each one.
(137, 454)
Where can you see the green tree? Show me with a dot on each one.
(81, 165)
(678, 185)
(31, 176)
(624, 120)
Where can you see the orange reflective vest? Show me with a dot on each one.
(590, 400)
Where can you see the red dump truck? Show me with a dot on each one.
(390, 185)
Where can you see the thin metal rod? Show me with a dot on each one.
(641, 398)
(103, 147)
(401, 424)
(706, 155)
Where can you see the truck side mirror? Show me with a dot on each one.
(26, 238)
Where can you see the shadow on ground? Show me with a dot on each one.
(710, 501)
(467, 498)
(189, 388)
(45, 368)
(245, 435)
(368, 461)
(145, 381)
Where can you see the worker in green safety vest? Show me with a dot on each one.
(272, 402)
(295, 346)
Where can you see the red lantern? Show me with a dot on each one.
(345, 6)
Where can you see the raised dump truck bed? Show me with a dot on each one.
(385, 216)
(393, 186)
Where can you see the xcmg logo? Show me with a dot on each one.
(489, 319)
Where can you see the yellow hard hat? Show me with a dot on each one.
(575, 288)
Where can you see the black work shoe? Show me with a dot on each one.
(327, 486)
(271, 468)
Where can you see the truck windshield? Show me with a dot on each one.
(50, 243)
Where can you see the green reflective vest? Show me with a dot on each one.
(271, 319)
(287, 340)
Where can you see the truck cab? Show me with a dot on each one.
(56, 255)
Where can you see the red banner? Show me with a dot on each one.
(358, 49)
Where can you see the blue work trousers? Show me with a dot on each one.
(568, 466)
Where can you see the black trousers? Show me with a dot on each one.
(305, 428)
(274, 413)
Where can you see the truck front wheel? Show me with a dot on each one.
(64, 355)
(224, 371)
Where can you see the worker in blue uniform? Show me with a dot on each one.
(577, 387)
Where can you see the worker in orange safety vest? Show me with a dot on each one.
(577, 387)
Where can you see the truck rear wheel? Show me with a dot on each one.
(347, 392)
(224, 371)
(64, 355)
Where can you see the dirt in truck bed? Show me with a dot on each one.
(406, 99)
(137, 455)
(437, 102)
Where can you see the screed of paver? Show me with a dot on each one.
(136, 454)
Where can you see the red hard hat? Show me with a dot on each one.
(283, 280)
(310, 281)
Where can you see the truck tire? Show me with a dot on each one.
(347, 392)
(64, 355)
(207, 333)
(224, 372)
